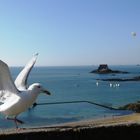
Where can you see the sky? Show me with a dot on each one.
(70, 32)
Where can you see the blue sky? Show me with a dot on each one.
(70, 32)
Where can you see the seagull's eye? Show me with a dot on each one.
(39, 86)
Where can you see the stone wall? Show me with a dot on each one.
(89, 133)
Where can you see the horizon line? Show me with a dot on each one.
(76, 65)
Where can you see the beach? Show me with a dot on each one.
(115, 126)
(108, 121)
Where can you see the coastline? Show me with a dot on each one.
(91, 128)
(106, 121)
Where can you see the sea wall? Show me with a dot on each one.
(80, 133)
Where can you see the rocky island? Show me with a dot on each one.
(104, 69)
(136, 78)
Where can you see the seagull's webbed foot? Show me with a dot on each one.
(16, 121)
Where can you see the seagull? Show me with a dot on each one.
(14, 101)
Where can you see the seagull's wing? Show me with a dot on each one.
(21, 80)
(7, 86)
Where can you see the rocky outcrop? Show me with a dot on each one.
(137, 78)
(132, 106)
(104, 69)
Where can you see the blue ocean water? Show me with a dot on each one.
(72, 84)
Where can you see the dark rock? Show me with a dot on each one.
(137, 78)
(104, 69)
(132, 106)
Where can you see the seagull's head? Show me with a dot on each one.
(38, 88)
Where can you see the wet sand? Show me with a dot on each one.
(116, 126)
(107, 121)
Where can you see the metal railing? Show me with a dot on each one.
(83, 101)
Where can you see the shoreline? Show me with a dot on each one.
(128, 119)
(106, 121)
(117, 126)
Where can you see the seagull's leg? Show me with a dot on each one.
(15, 120)
(16, 123)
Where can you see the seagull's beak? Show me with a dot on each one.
(46, 92)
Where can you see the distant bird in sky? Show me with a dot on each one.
(133, 34)
(16, 100)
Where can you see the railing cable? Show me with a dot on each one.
(83, 101)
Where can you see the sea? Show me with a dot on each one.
(72, 84)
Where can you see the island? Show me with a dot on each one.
(104, 69)
(136, 78)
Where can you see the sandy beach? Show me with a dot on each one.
(116, 126)
(107, 121)
(101, 122)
